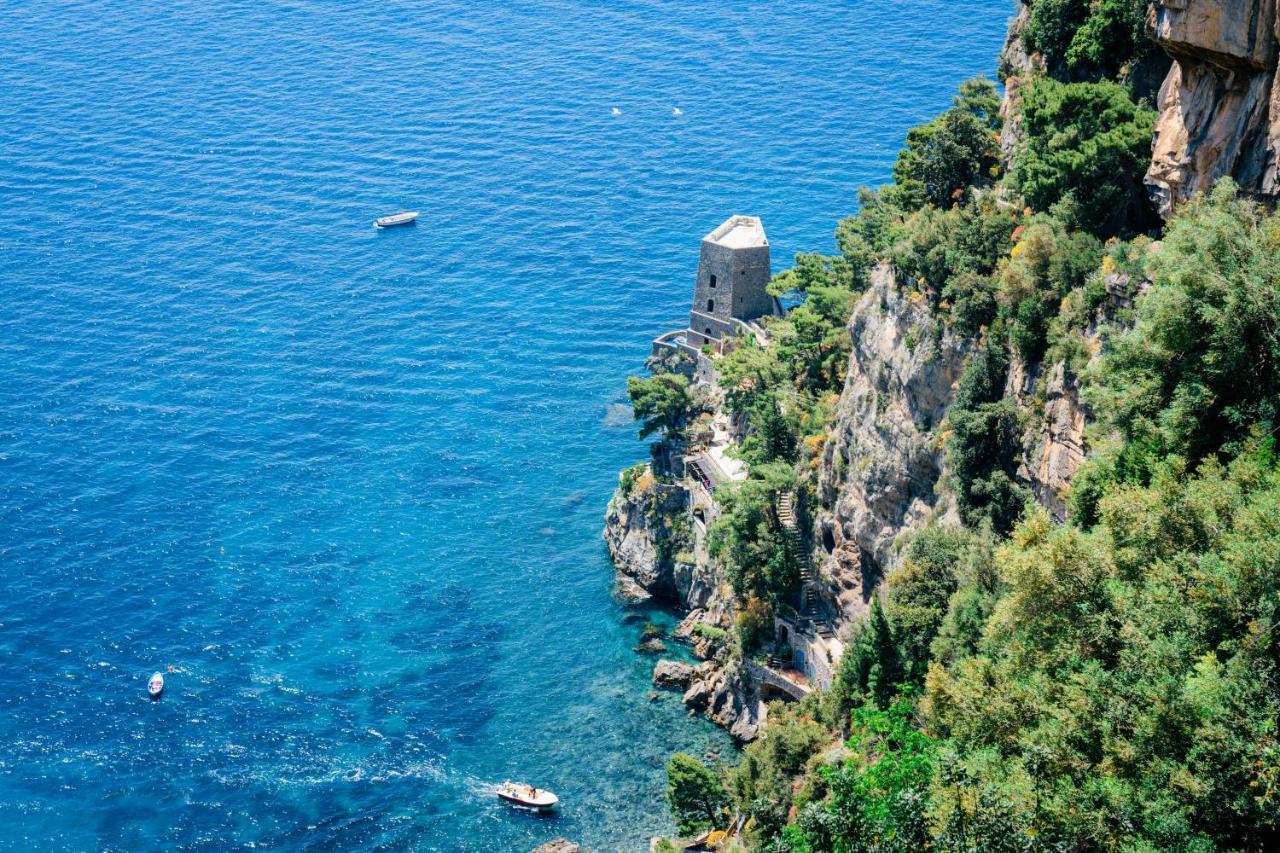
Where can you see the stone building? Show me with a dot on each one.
(730, 292)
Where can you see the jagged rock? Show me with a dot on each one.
(1058, 449)
(652, 646)
(1016, 67)
(560, 845)
(1219, 105)
(736, 706)
(639, 528)
(704, 647)
(634, 532)
(883, 458)
(698, 696)
(727, 699)
(672, 675)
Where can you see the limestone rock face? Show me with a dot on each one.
(737, 706)
(639, 530)
(1219, 105)
(634, 532)
(1016, 65)
(883, 458)
(1230, 32)
(1057, 448)
(718, 691)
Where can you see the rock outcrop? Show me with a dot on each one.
(883, 459)
(1220, 103)
(657, 555)
(1057, 447)
(672, 675)
(727, 698)
(560, 845)
(1016, 65)
(639, 537)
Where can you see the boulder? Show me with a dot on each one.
(672, 675)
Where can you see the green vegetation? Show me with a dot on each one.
(950, 154)
(878, 798)
(1200, 370)
(1088, 142)
(694, 793)
(746, 538)
(1088, 38)
(762, 781)
(662, 402)
(1108, 682)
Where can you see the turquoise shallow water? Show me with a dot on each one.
(350, 484)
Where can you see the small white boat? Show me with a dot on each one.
(398, 219)
(528, 796)
(155, 686)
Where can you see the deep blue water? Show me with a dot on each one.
(349, 484)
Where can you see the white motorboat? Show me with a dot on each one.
(396, 219)
(155, 686)
(528, 796)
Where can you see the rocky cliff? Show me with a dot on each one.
(660, 553)
(883, 459)
(1220, 103)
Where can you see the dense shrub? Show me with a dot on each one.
(945, 157)
(982, 454)
(1201, 369)
(661, 402)
(762, 781)
(1088, 38)
(746, 539)
(694, 794)
(1089, 140)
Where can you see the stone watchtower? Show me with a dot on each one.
(733, 273)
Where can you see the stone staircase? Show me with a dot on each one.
(784, 506)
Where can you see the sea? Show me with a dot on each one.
(344, 487)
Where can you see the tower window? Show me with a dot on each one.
(713, 281)
(711, 305)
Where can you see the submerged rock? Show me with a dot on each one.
(560, 845)
(652, 646)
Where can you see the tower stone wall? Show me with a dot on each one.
(731, 288)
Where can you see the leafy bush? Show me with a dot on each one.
(1091, 38)
(1201, 368)
(694, 794)
(945, 157)
(871, 668)
(745, 537)
(879, 799)
(761, 784)
(662, 402)
(1123, 693)
(630, 476)
(982, 454)
(1089, 140)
